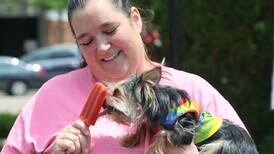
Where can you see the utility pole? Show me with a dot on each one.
(272, 86)
(174, 53)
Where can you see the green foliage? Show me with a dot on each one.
(50, 4)
(6, 122)
(9, 5)
(229, 43)
(267, 144)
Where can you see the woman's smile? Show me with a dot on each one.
(114, 63)
(111, 57)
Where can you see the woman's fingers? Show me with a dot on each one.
(85, 135)
(74, 139)
(83, 127)
(63, 146)
(70, 146)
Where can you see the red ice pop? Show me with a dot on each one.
(93, 104)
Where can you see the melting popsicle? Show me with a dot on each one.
(93, 104)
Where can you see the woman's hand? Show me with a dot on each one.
(73, 139)
(188, 149)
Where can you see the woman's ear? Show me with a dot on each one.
(136, 19)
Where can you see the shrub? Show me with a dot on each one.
(266, 145)
(6, 123)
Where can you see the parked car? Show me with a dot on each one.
(55, 59)
(17, 77)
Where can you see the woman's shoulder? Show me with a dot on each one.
(181, 79)
(76, 78)
(81, 74)
(67, 89)
(197, 87)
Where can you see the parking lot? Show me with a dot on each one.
(13, 104)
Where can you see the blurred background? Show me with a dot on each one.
(229, 43)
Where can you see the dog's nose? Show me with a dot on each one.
(104, 112)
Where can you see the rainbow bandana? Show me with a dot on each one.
(208, 124)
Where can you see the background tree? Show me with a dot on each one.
(50, 4)
(59, 5)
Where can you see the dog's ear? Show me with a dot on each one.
(153, 75)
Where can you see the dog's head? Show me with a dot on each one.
(131, 99)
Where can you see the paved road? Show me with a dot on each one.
(13, 104)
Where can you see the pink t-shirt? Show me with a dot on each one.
(59, 102)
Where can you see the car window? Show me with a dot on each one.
(41, 56)
(37, 55)
(61, 54)
(51, 53)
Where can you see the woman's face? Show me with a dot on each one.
(109, 41)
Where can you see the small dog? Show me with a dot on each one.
(171, 118)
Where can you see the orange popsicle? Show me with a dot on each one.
(93, 104)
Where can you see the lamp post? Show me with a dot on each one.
(174, 53)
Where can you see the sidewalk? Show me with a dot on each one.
(2, 141)
(13, 104)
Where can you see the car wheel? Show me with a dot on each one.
(17, 88)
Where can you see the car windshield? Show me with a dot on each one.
(36, 55)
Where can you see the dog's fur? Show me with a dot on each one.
(142, 101)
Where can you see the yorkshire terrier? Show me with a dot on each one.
(171, 118)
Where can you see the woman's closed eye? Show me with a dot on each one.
(111, 30)
(86, 42)
(108, 29)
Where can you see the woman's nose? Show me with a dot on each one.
(103, 45)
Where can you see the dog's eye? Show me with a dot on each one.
(116, 92)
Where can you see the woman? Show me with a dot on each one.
(108, 35)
